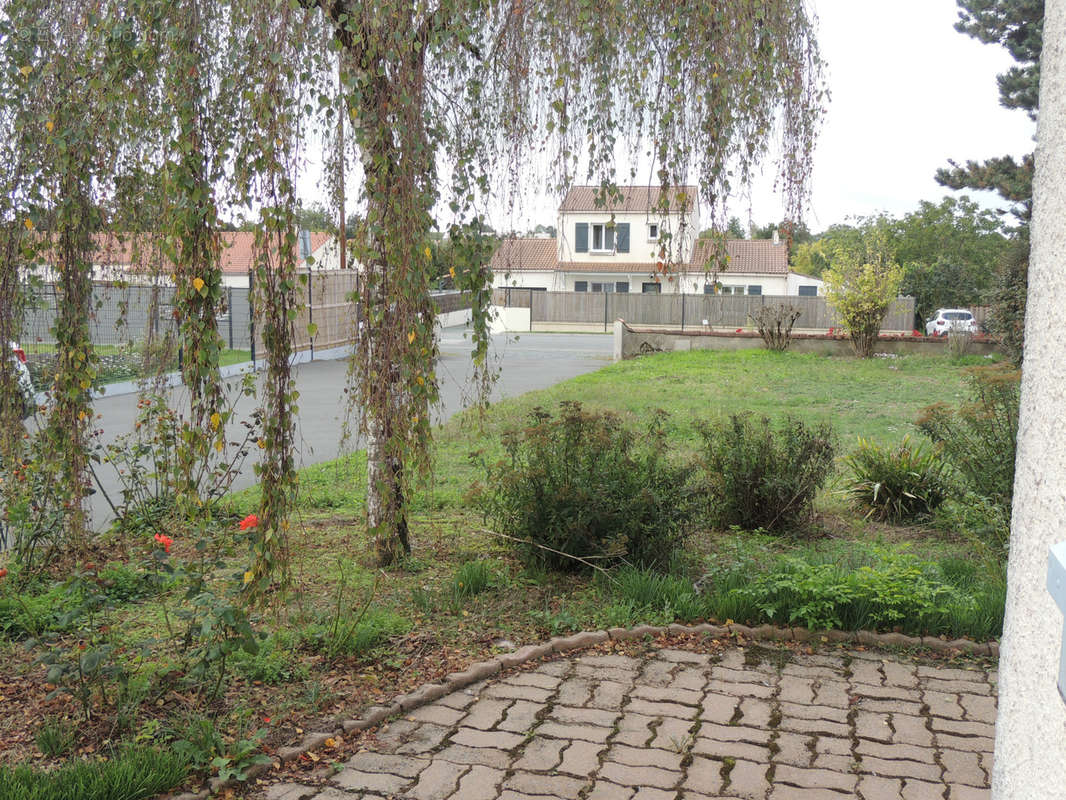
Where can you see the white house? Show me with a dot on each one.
(635, 243)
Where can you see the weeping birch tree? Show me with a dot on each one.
(476, 89)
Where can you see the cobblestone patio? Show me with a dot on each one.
(681, 725)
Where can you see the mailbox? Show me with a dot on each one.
(1056, 585)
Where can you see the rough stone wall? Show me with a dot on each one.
(1030, 757)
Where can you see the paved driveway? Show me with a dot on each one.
(533, 361)
(689, 725)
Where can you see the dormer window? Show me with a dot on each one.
(602, 238)
(653, 231)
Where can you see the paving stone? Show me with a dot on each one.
(763, 690)
(639, 776)
(963, 727)
(603, 790)
(748, 779)
(612, 661)
(734, 733)
(869, 725)
(815, 778)
(381, 762)
(688, 680)
(537, 679)
(793, 748)
(979, 708)
(541, 754)
(608, 695)
(968, 793)
(797, 690)
(900, 769)
(370, 781)
(741, 674)
(782, 791)
(866, 672)
(479, 783)
(437, 714)
(814, 672)
(458, 700)
(956, 687)
(908, 729)
(557, 669)
(635, 730)
(472, 737)
(886, 692)
(645, 757)
(559, 786)
(755, 713)
(873, 788)
(657, 673)
(895, 751)
(922, 790)
(424, 738)
(733, 658)
(801, 711)
(575, 692)
(581, 759)
(594, 674)
(521, 717)
(973, 744)
(912, 707)
(672, 734)
(647, 793)
(508, 691)
(668, 694)
(962, 767)
(437, 781)
(942, 704)
(949, 673)
(719, 707)
(485, 714)
(588, 733)
(484, 756)
(721, 750)
(583, 716)
(899, 674)
(683, 657)
(703, 775)
(638, 705)
(822, 727)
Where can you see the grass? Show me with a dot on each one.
(350, 635)
(131, 775)
(116, 362)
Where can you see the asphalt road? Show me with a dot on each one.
(532, 361)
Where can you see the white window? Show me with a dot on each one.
(653, 231)
(602, 238)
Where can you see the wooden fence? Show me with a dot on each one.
(677, 310)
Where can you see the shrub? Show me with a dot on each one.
(979, 438)
(581, 489)
(55, 737)
(775, 324)
(471, 578)
(759, 476)
(898, 484)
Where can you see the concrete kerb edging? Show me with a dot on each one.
(481, 670)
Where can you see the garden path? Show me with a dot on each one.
(687, 725)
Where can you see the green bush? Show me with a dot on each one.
(582, 489)
(759, 476)
(132, 774)
(273, 663)
(471, 578)
(353, 636)
(979, 438)
(897, 484)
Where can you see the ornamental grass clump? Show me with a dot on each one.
(899, 484)
(764, 476)
(581, 490)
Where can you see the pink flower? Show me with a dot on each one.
(164, 540)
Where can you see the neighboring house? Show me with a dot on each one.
(620, 247)
(134, 258)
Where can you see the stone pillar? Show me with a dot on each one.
(1030, 757)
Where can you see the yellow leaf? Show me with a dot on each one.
(198, 283)
(85, 383)
(420, 380)
(216, 420)
(410, 337)
(248, 577)
(428, 252)
(451, 271)
(330, 742)
(218, 446)
(262, 444)
(26, 70)
(29, 224)
(49, 125)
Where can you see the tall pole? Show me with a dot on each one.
(1030, 757)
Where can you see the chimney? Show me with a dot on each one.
(777, 237)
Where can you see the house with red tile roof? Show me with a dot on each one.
(643, 239)
(137, 258)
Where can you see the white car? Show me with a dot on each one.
(22, 376)
(950, 319)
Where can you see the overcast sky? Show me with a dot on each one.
(908, 93)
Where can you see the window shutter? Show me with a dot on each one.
(621, 237)
(581, 237)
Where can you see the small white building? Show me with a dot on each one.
(636, 243)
